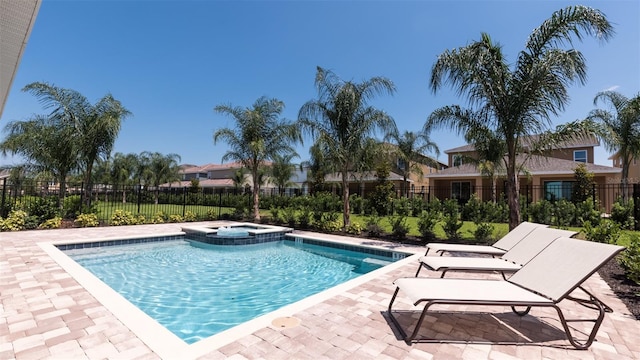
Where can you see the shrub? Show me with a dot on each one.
(330, 222)
(427, 222)
(175, 218)
(373, 225)
(72, 206)
(211, 215)
(356, 203)
(471, 210)
(15, 221)
(355, 228)
(305, 217)
(451, 218)
(588, 211)
(399, 226)
(483, 232)
(564, 213)
(43, 208)
(541, 212)
(190, 216)
(159, 218)
(630, 259)
(121, 217)
(87, 220)
(622, 213)
(53, 223)
(402, 206)
(606, 231)
(290, 217)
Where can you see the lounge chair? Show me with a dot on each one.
(512, 260)
(549, 278)
(497, 249)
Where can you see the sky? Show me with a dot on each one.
(171, 62)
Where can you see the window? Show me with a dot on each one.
(556, 190)
(461, 191)
(457, 160)
(402, 165)
(580, 156)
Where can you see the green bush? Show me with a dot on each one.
(290, 216)
(451, 219)
(211, 215)
(44, 208)
(399, 226)
(427, 222)
(176, 218)
(305, 217)
(373, 227)
(275, 215)
(53, 223)
(483, 232)
(471, 210)
(87, 220)
(356, 203)
(606, 231)
(121, 217)
(564, 212)
(190, 216)
(159, 218)
(541, 212)
(402, 206)
(622, 213)
(630, 259)
(354, 228)
(588, 211)
(330, 222)
(15, 221)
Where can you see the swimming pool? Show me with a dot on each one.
(197, 290)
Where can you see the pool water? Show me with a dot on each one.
(197, 290)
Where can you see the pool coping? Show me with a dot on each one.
(164, 342)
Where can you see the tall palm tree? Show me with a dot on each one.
(520, 102)
(282, 170)
(341, 121)
(260, 135)
(161, 169)
(619, 129)
(409, 150)
(47, 144)
(123, 172)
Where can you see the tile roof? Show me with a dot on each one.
(367, 176)
(569, 144)
(535, 165)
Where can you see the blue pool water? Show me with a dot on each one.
(197, 290)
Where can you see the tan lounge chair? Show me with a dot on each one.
(497, 249)
(549, 278)
(512, 260)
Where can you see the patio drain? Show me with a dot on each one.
(285, 322)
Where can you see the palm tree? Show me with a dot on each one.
(259, 137)
(282, 170)
(161, 169)
(619, 129)
(239, 180)
(123, 171)
(409, 151)
(520, 102)
(341, 121)
(47, 144)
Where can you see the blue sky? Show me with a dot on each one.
(171, 62)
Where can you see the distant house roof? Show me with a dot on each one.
(569, 144)
(205, 183)
(535, 165)
(367, 176)
(212, 167)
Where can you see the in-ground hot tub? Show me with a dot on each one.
(236, 233)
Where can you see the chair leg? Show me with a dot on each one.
(592, 335)
(521, 313)
(419, 268)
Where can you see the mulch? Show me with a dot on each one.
(626, 290)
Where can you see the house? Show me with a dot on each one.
(634, 168)
(549, 176)
(364, 183)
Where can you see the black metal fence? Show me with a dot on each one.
(214, 202)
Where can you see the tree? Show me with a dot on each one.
(619, 129)
(341, 121)
(282, 170)
(518, 103)
(583, 187)
(238, 180)
(123, 171)
(47, 144)
(161, 169)
(260, 136)
(409, 151)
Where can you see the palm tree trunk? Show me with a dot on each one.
(255, 196)
(345, 202)
(513, 195)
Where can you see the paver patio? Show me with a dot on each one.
(47, 314)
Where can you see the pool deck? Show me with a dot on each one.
(45, 313)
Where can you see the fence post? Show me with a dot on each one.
(184, 200)
(4, 197)
(139, 196)
(220, 204)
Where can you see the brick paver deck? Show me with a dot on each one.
(46, 314)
